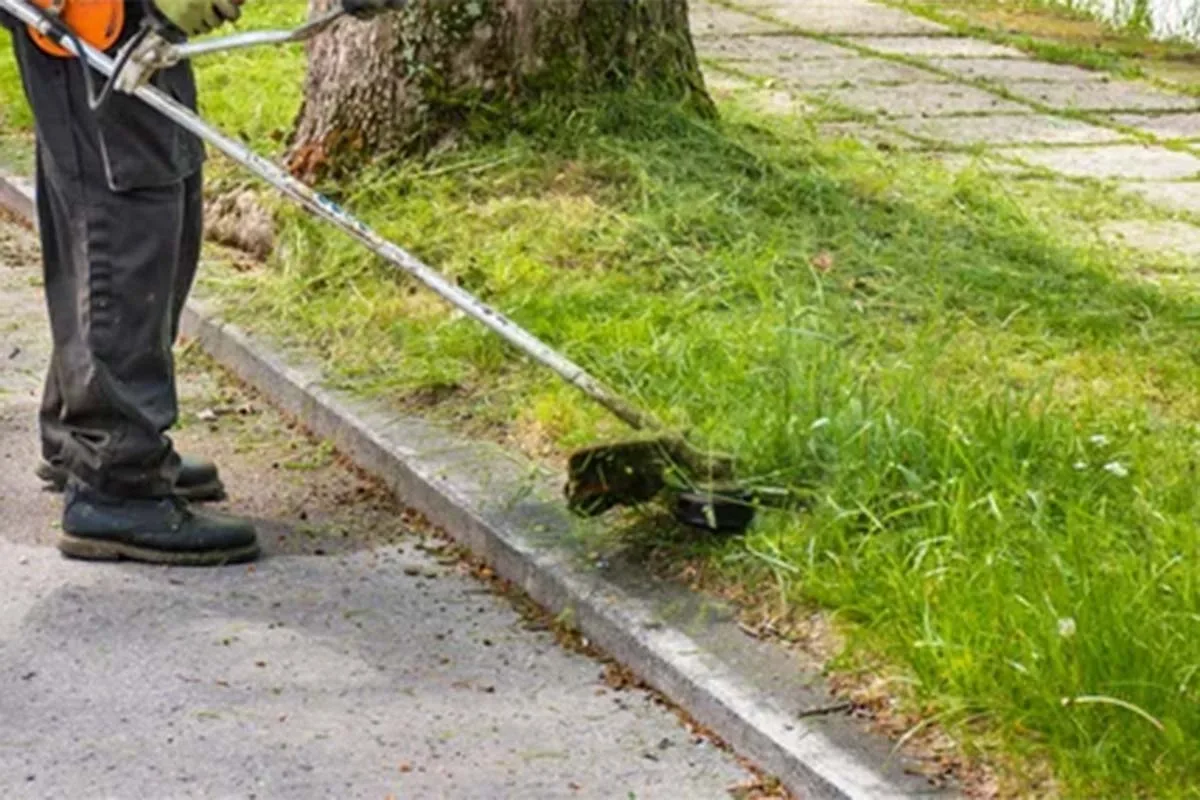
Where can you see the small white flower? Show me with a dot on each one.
(1080, 466)
(1117, 468)
(1066, 627)
(1100, 440)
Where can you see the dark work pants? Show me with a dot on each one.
(118, 268)
(120, 215)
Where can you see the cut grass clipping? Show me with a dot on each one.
(995, 426)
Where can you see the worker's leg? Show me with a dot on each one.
(189, 246)
(109, 273)
(112, 199)
(196, 479)
(54, 435)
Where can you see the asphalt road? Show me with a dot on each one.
(360, 658)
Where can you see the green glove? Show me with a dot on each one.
(197, 17)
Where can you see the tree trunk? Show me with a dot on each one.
(413, 79)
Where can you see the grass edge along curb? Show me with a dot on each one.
(480, 495)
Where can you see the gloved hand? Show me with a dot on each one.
(366, 9)
(196, 17)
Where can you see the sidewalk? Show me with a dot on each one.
(887, 77)
(359, 660)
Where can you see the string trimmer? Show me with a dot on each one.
(600, 477)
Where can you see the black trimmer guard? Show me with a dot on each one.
(715, 511)
(635, 472)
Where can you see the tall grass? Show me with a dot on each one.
(995, 428)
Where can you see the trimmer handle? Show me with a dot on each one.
(158, 53)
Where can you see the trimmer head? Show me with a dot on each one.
(634, 472)
(621, 474)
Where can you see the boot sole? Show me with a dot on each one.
(96, 550)
(204, 493)
(212, 492)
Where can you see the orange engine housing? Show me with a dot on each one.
(96, 22)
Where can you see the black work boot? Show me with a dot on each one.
(198, 480)
(101, 527)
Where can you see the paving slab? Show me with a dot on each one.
(938, 47)
(771, 101)
(1009, 70)
(715, 21)
(1101, 96)
(779, 101)
(850, 72)
(725, 84)
(845, 17)
(988, 164)
(1182, 197)
(1126, 162)
(1164, 126)
(355, 661)
(922, 99)
(1168, 236)
(770, 49)
(1006, 129)
(864, 133)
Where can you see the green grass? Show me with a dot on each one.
(994, 423)
(252, 93)
(14, 113)
(16, 121)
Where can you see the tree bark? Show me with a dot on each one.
(416, 78)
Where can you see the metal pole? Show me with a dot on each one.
(329, 211)
(238, 41)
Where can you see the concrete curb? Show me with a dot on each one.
(752, 694)
(16, 198)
